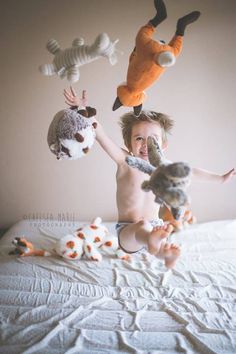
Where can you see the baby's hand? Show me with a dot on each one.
(73, 100)
(226, 177)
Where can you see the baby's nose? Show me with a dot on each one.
(144, 142)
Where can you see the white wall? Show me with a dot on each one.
(199, 93)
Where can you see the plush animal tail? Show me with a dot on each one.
(41, 253)
(129, 98)
(97, 221)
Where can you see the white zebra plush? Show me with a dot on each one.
(67, 62)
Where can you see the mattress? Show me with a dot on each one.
(52, 305)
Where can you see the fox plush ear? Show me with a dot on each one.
(117, 104)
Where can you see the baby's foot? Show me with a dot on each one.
(171, 253)
(156, 237)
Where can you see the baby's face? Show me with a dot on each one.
(140, 132)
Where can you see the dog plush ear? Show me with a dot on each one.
(83, 112)
(91, 112)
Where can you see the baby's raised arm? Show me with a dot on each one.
(205, 175)
(114, 151)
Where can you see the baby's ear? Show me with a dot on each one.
(91, 111)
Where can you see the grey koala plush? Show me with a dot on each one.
(168, 181)
(71, 133)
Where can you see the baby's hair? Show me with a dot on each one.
(128, 120)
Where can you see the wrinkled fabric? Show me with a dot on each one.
(52, 305)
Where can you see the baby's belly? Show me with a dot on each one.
(141, 209)
(133, 203)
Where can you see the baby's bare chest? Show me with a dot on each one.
(129, 187)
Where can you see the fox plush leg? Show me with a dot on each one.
(161, 13)
(183, 22)
(137, 110)
(117, 104)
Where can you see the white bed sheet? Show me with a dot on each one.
(51, 305)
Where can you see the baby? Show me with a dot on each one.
(138, 221)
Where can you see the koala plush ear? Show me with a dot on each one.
(91, 111)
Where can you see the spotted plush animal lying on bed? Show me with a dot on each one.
(90, 241)
(71, 133)
(168, 181)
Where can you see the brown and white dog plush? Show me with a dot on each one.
(91, 240)
(71, 133)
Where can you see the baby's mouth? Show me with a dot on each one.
(144, 153)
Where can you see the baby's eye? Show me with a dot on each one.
(139, 138)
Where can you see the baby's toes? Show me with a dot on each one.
(173, 245)
(169, 228)
(166, 247)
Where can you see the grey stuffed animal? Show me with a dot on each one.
(168, 181)
(71, 133)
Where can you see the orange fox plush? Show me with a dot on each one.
(150, 59)
(147, 63)
(180, 224)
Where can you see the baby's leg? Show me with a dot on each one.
(134, 236)
(157, 237)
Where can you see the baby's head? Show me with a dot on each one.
(135, 131)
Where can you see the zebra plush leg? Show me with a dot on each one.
(73, 74)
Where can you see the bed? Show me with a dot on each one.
(52, 305)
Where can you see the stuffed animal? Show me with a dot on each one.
(90, 240)
(71, 133)
(187, 219)
(150, 58)
(168, 181)
(67, 62)
(69, 247)
(26, 248)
